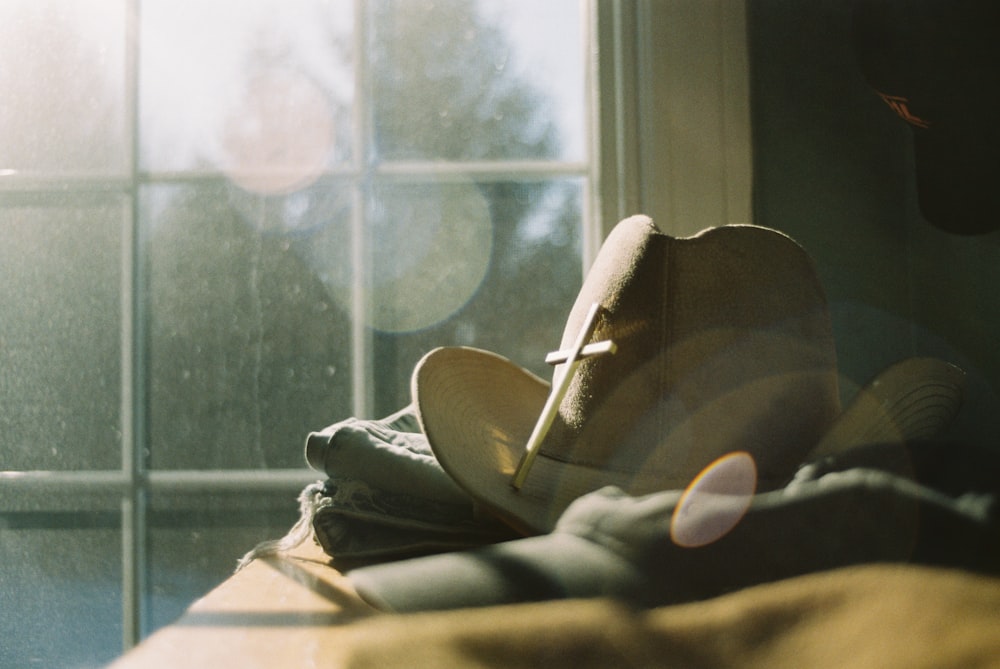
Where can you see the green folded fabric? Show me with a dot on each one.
(385, 498)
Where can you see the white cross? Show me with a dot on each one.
(571, 357)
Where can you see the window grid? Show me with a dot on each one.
(134, 482)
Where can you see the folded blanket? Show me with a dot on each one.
(386, 497)
(387, 454)
(356, 521)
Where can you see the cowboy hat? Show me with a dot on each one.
(722, 342)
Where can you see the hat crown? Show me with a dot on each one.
(724, 343)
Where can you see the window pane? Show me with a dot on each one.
(62, 86)
(482, 80)
(515, 303)
(60, 277)
(430, 248)
(195, 541)
(248, 351)
(61, 589)
(261, 90)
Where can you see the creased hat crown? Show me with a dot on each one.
(724, 342)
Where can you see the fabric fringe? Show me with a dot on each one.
(311, 501)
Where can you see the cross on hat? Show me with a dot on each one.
(571, 357)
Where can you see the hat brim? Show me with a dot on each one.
(913, 399)
(482, 407)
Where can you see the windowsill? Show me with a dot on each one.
(275, 612)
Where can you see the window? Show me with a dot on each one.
(228, 223)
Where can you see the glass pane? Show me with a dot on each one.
(494, 265)
(261, 90)
(486, 80)
(196, 540)
(62, 86)
(248, 350)
(60, 583)
(60, 278)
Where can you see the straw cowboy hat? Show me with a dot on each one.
(676, 352)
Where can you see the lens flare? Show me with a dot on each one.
(715, 501)
(278, 135)
(431, 249)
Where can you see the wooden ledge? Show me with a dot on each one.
(276, 612)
